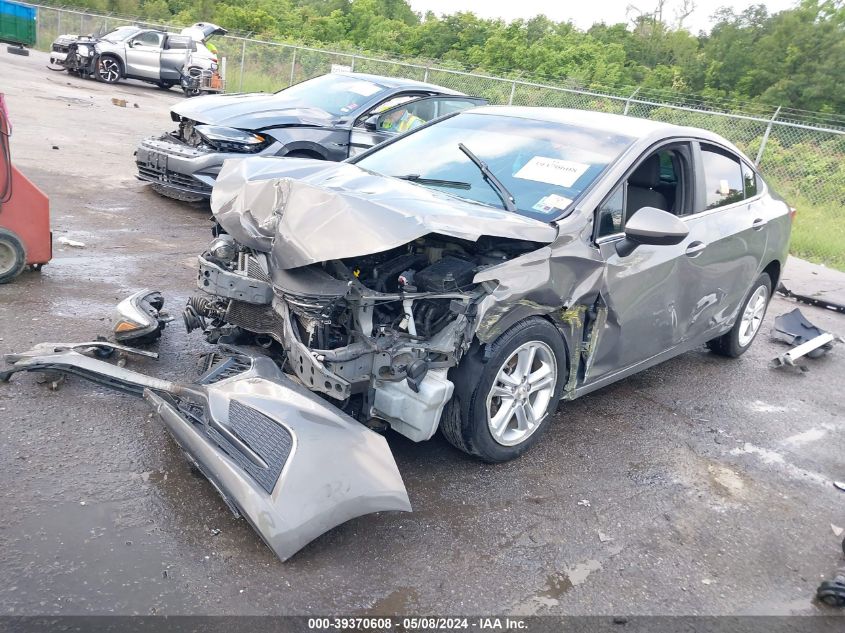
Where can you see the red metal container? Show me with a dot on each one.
(25, 238)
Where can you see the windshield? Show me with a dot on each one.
(544, 165)
(121, 33)
(336, 94)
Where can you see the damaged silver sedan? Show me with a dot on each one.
(464, 277)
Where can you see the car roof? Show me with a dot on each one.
(618, 123)
(624, 125)
(399, 82)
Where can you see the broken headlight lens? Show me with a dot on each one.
(139, 316)
(230, 139)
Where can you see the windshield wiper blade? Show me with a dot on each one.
(436, 182)
(489, 176)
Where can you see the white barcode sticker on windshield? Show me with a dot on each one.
(552, 171)
(365, 89)
(551, 203)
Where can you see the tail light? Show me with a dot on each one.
(792, 213)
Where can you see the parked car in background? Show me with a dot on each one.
(151, 55)
(330, 117)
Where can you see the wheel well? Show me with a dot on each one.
(773, 270)
(304, 153)
(484, 347)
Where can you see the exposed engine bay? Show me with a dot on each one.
(375, 334)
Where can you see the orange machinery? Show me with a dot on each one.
(25, 238)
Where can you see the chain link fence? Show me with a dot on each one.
(801, 154)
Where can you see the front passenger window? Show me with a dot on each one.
(150, 39)
(660, 180)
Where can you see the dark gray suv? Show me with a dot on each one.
(331, 117)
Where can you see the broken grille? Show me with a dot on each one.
(173, 178)
(267, 439)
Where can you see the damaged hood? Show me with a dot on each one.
(252, 111)
(307, 211)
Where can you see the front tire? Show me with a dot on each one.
(108, 69)
(503, 403)
(738, 339)
(12, 256)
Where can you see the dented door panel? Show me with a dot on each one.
(719, 276)
(642, 293)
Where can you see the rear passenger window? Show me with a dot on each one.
(750, 178)
(178, 42)
(723, 177)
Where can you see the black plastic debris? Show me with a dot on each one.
(813, 301)
(794, 329)
(832, 592)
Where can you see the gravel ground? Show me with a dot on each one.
(702, 486)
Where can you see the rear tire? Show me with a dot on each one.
(12, 256)
(738, 339)
(504, 403)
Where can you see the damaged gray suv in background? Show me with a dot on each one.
(465, 277)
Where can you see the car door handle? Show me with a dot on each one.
(695, 249)
(758, 224)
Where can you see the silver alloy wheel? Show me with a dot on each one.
(108, 69)
(8, 257)
(522, 392)
(752, 317)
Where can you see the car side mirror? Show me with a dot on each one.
(130, 43)
(653, 227)
(371, 122)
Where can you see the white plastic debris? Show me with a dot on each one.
(584, 502)
(69, 242)
(837, 531)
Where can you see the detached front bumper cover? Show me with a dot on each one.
(291, 464)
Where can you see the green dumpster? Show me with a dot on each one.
(17, 23)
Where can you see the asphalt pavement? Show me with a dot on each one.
(701, 486)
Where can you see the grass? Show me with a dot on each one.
(818, 233)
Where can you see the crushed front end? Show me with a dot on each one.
(358, 296)
(376, 334)
(184, 163)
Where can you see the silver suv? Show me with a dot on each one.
(151, 55)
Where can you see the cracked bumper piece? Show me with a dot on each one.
(290, 463)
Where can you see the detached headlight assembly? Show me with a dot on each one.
(230, 139)
(140, 317)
